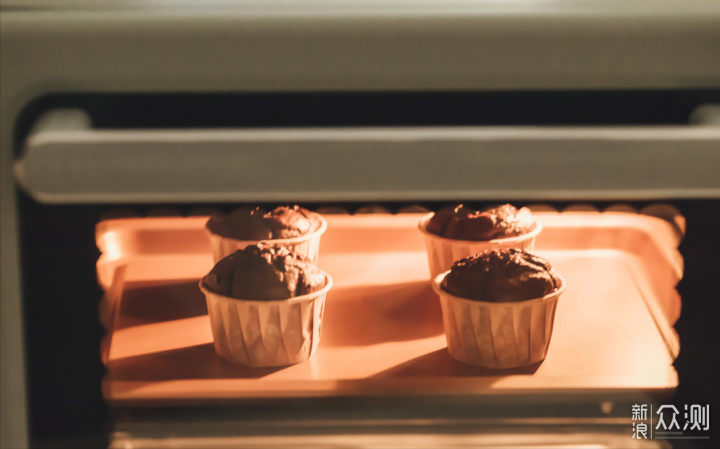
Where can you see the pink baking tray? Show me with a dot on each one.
(382, 331)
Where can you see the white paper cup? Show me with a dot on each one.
(444, 252)
(307, 245)
(498, 335)
(266, 333)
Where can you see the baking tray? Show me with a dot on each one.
(382, 331)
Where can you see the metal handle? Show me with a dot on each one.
(65, 161)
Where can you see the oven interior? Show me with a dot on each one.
(67, 322)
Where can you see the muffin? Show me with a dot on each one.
(455, 232)
(292, 227)
(266, 306)
(464, 223)
(499, 308)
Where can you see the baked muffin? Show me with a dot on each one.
(265, 273)
(464, 223)
(293, 227)
(456, 232)
(507, 275)
(499, 308)
(266, 306)
(257, 224)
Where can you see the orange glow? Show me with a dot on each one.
(382, 329)
(109, 244)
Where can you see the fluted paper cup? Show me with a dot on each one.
(498, 335)
(443, 252)
(266, 333)
(307, 245)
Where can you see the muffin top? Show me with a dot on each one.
(501, 275)
(464, 223)
(263, 272)
(257, 224)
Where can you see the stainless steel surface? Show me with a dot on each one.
(75, 165)
(325, 45)
(707, 114)
(13, 418)
(526, 440)
(558, 421)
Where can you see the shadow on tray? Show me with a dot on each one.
(439, 364)
(196, 362)
(353, 316)
(144, 303)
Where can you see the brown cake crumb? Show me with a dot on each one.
(257, 224)
(265, 273)
(501, 275)
(464, 223)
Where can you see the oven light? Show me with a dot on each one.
(110, 245)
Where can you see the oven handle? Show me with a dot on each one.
(65, 160)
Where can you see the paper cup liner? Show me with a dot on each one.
(498, 335)
(307, 245)
(266, 333)
(443, 252)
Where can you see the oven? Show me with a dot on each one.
(126, 125)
